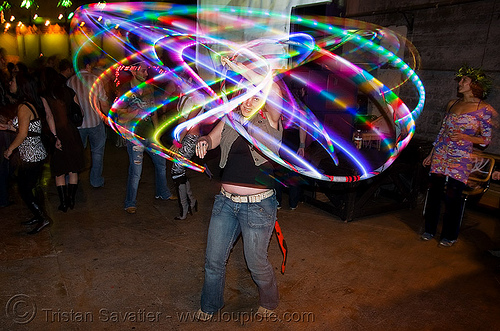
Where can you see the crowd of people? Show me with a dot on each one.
(35, 136)
(36, 124)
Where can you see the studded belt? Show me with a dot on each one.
(253, 198)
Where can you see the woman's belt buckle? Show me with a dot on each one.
(253, 198)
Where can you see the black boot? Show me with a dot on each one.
(31, 221)
(63, 192)
(71, 195)
(39, 215)
(183, 214)
(41, 224)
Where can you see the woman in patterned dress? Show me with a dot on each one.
(467, 122)
(28, 125)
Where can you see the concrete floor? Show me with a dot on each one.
(98, 268)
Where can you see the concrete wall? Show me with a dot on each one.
(274, 24)
(27, 48)
(447, 34)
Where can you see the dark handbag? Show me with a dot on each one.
(75, 114)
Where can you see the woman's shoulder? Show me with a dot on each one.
(24, 107)
(24, 111)
(470, 109)
(451, 103)
(487, 107)
(483, 110)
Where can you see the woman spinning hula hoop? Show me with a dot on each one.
(247, 202)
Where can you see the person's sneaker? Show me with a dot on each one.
(202, 316)
(131, 210)
(426, 236)
(446, 242)
(6, 204)
(293, 208)
(170, 198)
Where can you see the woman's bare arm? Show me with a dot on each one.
(210, 141)
(23, 116)
(50, 120)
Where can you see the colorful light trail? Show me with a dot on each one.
(173, 41)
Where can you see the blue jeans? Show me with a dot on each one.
(255, 222)
(97, 138)
(136, 156)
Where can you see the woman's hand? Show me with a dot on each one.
(7, 153)
(427, 160)
(496, 175)
(58, 144)
(201, 148)
(457, 136)
(227, 62)
(300, 152)
(174, 148)
(7, 126)
(237, 67)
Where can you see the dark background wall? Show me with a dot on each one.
(447, 34)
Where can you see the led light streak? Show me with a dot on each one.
(172, 31)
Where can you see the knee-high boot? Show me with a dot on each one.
(72, 188)
(63, 193)
(183, 200)
(39, 215)
(193, 203)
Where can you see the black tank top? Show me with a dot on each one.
(240, 168)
